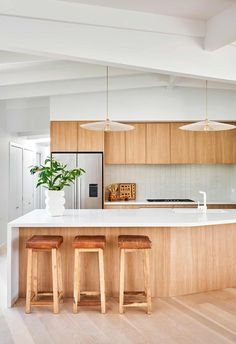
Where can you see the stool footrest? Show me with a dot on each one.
(135, 304)
(90, 293)
(36, 302)
(141, 292)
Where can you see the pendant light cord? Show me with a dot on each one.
(107, 94)
(206, 101)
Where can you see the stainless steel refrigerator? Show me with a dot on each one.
(87, 192)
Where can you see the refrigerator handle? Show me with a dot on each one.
(79, 193)
(75, 195)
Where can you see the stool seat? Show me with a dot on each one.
(44, 242)
(134, 242)
(89, 241)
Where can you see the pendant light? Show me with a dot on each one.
(207, 125)
(107, 125)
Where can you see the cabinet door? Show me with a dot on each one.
(205, 147)
(158, 143)
(89, 140)
(226, 147)
(183, 145)
(136, 144)
(63, 136)
(115, 147)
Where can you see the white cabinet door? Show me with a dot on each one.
(28, 181)
(16, 186)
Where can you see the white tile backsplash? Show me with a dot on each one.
(177, 181)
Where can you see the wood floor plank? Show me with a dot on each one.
(192, 319)
(224, 334)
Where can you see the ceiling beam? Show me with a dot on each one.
(221, 29)
(146, 51)
(69, 12)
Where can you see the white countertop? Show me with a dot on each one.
(144, 217)
(144, 202)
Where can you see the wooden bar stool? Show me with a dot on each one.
(132, 243)
(34, 245)
(82, 244)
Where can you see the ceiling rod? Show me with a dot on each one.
(207, 125)
(107, 125)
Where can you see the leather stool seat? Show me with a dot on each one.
(44, 242)
(134, 242)
(89, 241)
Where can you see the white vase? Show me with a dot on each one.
(55, 202)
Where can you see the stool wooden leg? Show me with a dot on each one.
(145, 272)
(122, 280)
(148, 283)
(35, 275)
(28, 281)
(102, 280)
(55, 281)
(76, 280)
(60, 280)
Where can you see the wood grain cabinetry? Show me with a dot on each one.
(158, 143)
(138, 206)
(90, 141)
(205, 147)
(148, 143)
(136, 144)
(226, 147)
(115, 148)
(64, 136)
(183, 145)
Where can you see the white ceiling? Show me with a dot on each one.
(195, 9)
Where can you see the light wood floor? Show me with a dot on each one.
(201, 318)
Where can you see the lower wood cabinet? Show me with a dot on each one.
(133, 206)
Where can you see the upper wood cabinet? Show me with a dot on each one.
(115, 147)
(63, 136)
(136, 144)
(90, 141)
(158, 143)
(205, 147)
(183, 145)
(226, 147)
(148, 143)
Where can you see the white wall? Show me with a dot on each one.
(4, 173)
(27, 115)
(177, 181)
(144, 104)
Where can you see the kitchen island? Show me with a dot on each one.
(191, 252)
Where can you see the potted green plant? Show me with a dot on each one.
(54, 176)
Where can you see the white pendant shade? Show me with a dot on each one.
(207, 126)
(107, 125)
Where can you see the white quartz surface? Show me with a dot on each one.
(144, 217)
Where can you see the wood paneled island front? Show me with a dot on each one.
(191, 252)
